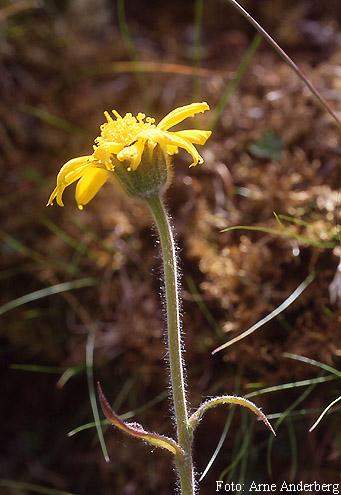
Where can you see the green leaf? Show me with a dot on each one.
(227, 399)
(136, 430)
(268, 146)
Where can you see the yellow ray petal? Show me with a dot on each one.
(172, 150)
(71, 169)
(132, 154)
(180, 114)
(103, 153)
(53, 196)
(154, 136)
(195, 136)
(172, 139)
(169, 141)
(89, 185)
(69, 173)
(107, 149)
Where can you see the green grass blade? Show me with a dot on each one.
(286, 386)
(285, 232)
(17, 485)
(124, 417)
(87, 426)
(304, 359)
(197, 48)
(69, 373)
(202, 306)
(80, 247)
(38, 369)
(244, 462)
(49, 291)
(16, 245)
(234, 83)
(287, 59)
(295, 414)
(219, 445)
(242, 447)
(61, 234)
(293, 448)
(225, 430)
(294, 220)
(284, 415)
(128, 39)
(53, 120)
(310, 242)
(323, 413)
(90, 344)
(272, 315)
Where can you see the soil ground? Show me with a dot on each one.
(273, 149)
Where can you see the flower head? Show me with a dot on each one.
(126, 143)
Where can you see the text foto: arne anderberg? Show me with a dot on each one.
(275, 487)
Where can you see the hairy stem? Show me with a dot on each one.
(174, 342)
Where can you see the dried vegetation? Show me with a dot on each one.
(274, 149)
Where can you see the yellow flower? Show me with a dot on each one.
(123, 141)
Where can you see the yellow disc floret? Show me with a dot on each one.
(123, 130)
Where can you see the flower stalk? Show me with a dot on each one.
(184, 432)
(134, 154)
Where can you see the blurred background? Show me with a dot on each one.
(80, 290)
